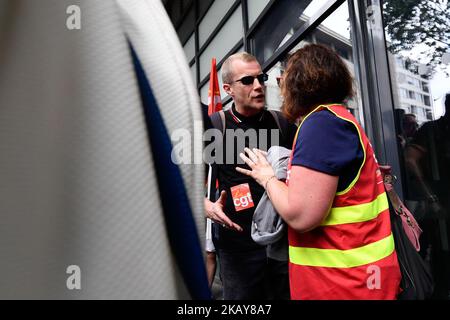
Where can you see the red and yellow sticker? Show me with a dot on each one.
(242, 197)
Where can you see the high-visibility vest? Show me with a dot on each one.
(351, 255)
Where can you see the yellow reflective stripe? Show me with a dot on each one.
(357, 213)
(332, 258)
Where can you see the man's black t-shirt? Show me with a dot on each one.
(230, 179)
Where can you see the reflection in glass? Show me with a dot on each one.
(210, 20)
(228, 36)
(254, 9)
(418, 45)
(273, 97)
(333, 32)
(284, 18)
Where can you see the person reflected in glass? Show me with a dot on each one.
(427, 159)
(409, 128)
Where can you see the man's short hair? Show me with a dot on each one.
(227, 70)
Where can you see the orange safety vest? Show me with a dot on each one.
(351, 255)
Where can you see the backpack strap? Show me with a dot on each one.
(282, 127)
(218, 121)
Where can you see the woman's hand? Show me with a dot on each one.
(261, 171)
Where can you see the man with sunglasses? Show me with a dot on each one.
(245, 269)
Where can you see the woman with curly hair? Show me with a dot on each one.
(340, 240)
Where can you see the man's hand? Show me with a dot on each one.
(214, 211)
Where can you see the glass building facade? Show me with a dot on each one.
(400, 93)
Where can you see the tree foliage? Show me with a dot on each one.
(423, 24)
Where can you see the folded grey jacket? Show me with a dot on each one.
(268, 228)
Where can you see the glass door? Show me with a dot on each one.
(417, 37)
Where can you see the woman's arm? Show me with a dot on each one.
(308, 199)
(305, 203)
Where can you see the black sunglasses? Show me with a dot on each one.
(247, 80)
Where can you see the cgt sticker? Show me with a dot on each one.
(242, 197)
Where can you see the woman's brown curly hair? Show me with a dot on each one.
(315, 75)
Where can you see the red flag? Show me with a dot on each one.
(214, 105)
(214, 100)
